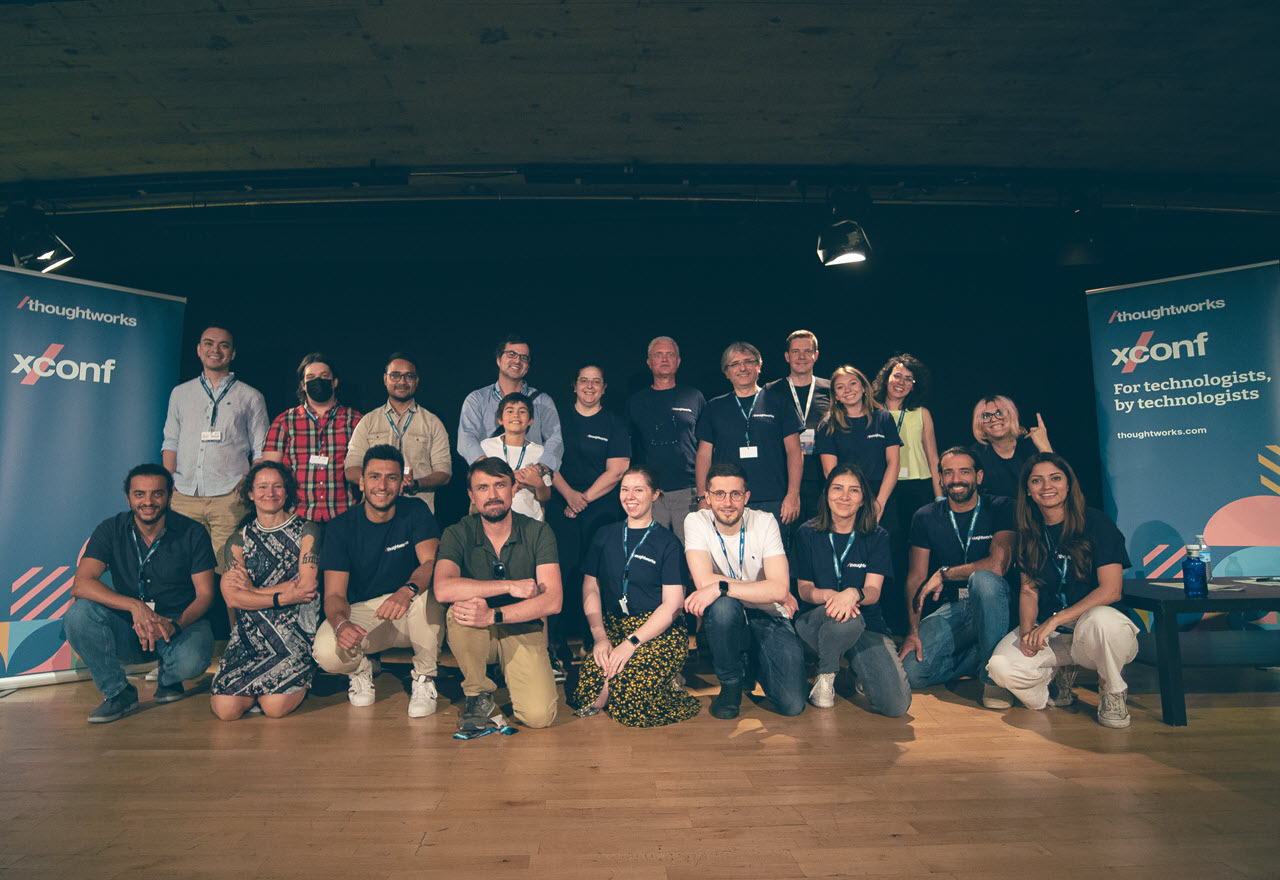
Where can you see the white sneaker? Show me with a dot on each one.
(1060, 689)
(1113, 711)
(153, 675)
(360, 690)
(996, 697)
(422, 700)
(823, 694)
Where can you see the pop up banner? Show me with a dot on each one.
(90, 368)
(1189, 417)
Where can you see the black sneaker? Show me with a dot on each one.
(477, 713)
(728, 701)
(169, 693)
(115, 708)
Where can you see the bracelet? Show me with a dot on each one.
(275, 600)
(337, 629)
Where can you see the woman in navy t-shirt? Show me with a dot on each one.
(860, 431)
(840, 559)
(633, 598)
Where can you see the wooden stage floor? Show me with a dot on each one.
(951, 792)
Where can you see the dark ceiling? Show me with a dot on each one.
(189, 102)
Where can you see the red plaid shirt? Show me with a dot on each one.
(322, 489)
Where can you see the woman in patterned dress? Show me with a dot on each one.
(272, 582)
(634, 600)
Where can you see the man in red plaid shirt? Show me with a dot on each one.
(311, 439)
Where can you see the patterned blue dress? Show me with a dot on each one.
(269, 651)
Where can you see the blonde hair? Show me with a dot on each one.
(837, 418)
(1006, 406)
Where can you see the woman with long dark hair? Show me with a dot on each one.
(272, 584)
(1072, 559)
(634, 602)
(840, 559)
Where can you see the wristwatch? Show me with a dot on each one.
(497, 615)
(724, 588)
(942, 571)
(413, 588)
(634, 640)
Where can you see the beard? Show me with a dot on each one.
(495, 514)
(733, 520)
(968, 490)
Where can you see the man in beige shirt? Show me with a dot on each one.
(402, 423)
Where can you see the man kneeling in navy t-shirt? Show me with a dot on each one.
(378, 560)
(960, 551)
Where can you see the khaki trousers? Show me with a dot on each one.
(521, 649)
(421, 628)
(219, 514)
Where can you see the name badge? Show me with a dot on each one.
(622, 603)
(210, 436)
(319, 461)
(152, 604)
(962, 593)
(748, 451)
(902, 472)
(807, 441)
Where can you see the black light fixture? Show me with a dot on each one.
(844, 240)
(33, 244)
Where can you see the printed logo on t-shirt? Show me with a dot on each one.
(855, 565)
(395, 547)
(873, 436)
(597, 437)
(647, 559)
(681, 409)
(762, 415)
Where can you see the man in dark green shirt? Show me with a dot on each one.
(501, 572)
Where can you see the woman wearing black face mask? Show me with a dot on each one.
(311, 439)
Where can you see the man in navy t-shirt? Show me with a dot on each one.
(663, 417)
(960, 552)
(756, 432)
(378, 560)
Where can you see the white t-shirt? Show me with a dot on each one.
(523, 501)
(762, 540)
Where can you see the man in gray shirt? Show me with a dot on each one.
(214, 432)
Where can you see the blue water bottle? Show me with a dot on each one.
(1193, 574)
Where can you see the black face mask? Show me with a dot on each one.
(320, 390)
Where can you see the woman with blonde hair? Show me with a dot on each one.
(1003, 444)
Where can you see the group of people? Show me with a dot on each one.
(803, 521)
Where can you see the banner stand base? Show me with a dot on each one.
(63, 676)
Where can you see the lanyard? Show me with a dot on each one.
(626, 566)
(964, 543)
(506, 456)
(742, 552)
(746, 413)
(1061, 568)
(204, 383)
(838, 562)
(143, 560)
(902, 414)
(803, 414)
(399, 432)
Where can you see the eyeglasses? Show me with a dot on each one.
(499, 570)
(590, 381)
(719, 495)
(408, 377)
(737, 365)
(523, 358)
(988, 416)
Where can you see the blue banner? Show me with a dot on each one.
(1189, 417)
(90, 368)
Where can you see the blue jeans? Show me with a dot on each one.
(733, 629)
(871, 655)
(106, 641)
(959, 637)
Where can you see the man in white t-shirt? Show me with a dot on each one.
(742, 592)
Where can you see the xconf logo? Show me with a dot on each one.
(1144, 350)
(72, 313)
(1161, 311)
(33, 368)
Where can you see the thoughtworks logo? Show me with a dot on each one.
(37, 367)
(1145, 351)
(1157, 313)
(72, 313)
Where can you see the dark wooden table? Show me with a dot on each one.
(1174, 650)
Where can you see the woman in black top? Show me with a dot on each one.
(1072, 559)
(634, 599)
(1003, 444)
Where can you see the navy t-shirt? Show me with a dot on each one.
(724, 426)
(1107, 544)
(378, 557)
(931, 529)
(662, 423)
(656, 562)
(182, 550)
(589, 441)
(864, 446)
(813, 558)
(817, 412)
(1000, 475)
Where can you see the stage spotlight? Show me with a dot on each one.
(32, 243)
(844, 241)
